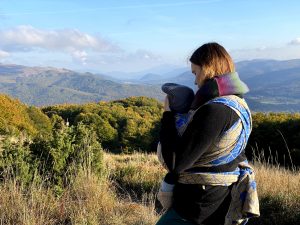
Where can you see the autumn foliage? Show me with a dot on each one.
(16, 117)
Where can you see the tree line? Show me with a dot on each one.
(53, 141)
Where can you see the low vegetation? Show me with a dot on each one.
(125, 194)
(86, 200)
(54, 169)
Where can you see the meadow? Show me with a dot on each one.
(125, 193)
(94, 164)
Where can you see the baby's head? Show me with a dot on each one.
(180, 97)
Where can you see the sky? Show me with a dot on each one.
(130, 35)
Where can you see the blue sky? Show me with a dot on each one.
(131, 35)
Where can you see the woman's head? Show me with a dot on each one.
(210, 60)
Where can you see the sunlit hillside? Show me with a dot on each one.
(15, 116)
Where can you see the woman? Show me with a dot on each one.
(213, 182)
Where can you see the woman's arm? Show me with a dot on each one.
(208, 123)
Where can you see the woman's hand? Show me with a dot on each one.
(167, 105)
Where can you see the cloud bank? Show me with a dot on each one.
(82, 48)
(295, 41)
(285, 52)
(28, 38)
(3, 54)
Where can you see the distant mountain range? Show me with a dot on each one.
(274, 85)
(48, 86)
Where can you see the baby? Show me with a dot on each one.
(180, 99)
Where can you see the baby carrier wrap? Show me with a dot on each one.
(227, 147)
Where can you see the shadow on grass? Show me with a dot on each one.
(273, 212)
(139, 193)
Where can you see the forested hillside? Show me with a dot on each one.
(16, 117)
(133, 124)
(129, 124)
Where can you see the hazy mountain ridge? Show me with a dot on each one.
(250, 68)
(274, 85)
(47, 86)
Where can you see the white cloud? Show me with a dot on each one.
(295, 41)
(80, 56)
(81, 48)
(124, 61)
(3, 54)
(280, 53)
(28, 38)
(138, 57)
(142, 55)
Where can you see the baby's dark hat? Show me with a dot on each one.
(180, 97)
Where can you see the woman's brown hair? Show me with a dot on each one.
(213, 59)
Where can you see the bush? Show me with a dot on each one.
(68, 150)
(55, 157)
(106, 134)
(16, 160)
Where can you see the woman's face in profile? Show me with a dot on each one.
(199, 75)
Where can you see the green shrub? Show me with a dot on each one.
(68, 150)
(106, 134)
(55, 158)
(16, 160)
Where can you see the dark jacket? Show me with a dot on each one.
(203, 205)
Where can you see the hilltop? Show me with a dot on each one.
(15, 116)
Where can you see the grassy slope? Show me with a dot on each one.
(278, 189)
(126, 195)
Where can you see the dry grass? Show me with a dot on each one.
(88, 200)
(92, 200)
(272, 180)
(139, 170)
(279, 193)
(275, 181)
(278, 188)
(34, 206)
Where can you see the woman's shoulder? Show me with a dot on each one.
(213, 108)
(216, 113)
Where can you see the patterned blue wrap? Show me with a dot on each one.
(245, 117)
(181, 119)
(244, 200)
